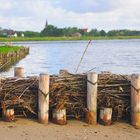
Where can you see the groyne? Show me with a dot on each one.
(96, 98)
(9, 58)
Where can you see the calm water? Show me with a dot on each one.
(117, 56)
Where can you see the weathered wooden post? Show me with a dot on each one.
(135, 100)
(59, 116)
(8, 115)
(63, 72)
(0, 83)
(19, 72)
(43, 98)
(106, 116)
(91, 115)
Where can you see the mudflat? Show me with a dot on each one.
(23, 129)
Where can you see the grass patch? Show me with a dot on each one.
(6, 49)
(66, 38)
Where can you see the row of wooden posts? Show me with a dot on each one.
(10, 58)
(59, 116)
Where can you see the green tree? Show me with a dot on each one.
(30, 34)
(112, 33)
(94, 32)
(102, 33)
(52, 31)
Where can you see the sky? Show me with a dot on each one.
(100, 14)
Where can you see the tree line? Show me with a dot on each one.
(53, 31)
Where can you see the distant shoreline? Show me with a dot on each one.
(65, 38)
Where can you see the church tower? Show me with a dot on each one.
(46, 25)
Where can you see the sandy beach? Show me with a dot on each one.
(24, 129)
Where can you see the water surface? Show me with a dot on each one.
(117, 56)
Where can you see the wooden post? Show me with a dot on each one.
(106, 116)
(19, 72)
(0, 84)
(59, 117)
(135, 100)
(43, 98)
(8, 115)
(63, 72)
(91, 115)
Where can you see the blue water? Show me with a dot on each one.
(117, 56)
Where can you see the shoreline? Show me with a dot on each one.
(18, 39)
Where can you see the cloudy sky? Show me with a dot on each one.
(100, 14)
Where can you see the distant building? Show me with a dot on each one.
(22, 35)
(46, 25)
(15, 35)
(8, 33)
(85, 30)
(77, 34)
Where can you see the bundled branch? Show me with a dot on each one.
(67, 91)
(114, 92)
(20, 94)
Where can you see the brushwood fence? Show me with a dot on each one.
(10, 58)
(67, 97)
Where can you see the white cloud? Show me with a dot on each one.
(5, 5)
(101, 14)
(82, 6)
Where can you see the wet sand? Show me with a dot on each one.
(24, 129)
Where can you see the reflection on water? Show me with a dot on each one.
(117, 56)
